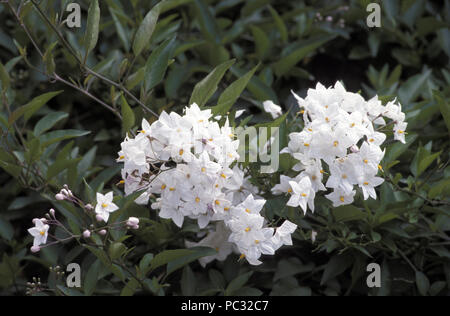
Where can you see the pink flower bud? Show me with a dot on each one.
(64, 192)
(35, 249)
(52, 212)
(86, 234)
(102, 232)
(89, 207)
(99, 218)
(133, 221)
(60, 197)
(35, 220)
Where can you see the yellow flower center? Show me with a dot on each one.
(42, 233)
(122, 157)
(366, 183)
(223, 175)
(203, 169)
(121, 181)
(400, 131)
(104, 205)
(314, 178)
(256, 241)
(304, 195)
(310, 129)
(341, 198)
(353, 125)
(197, 199)
(242, 256)
(226, 209)
(247, 229)
(217, 202)
(322, 171)
(366, 161)
(344, 176)
(327, 119)
(181, 152)
(371, 140)
(336, 143)
(289, 190)
(163, 187)
(247, 210)
(380, 167)
(306, 144)
(302, 111)
(172, 189)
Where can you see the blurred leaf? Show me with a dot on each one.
(157, 64)
(48, 121)
(92, 27)
(145, 31)
(128, 118)
(206, 88)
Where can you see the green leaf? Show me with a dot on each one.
(121, 29)
(92, 28)
(6, 229)
(48, 121)
(285, 64)
(206, 88)
(413, 87)
(444, 107)
(336, 266)
(195, 254)
(262, 42)
(145, 262)
(232, 93)
(207, 23)
(30, 108)
(188, 282)
(395, 150)
(59, 166)
(257, 87)
(157, 64)
(59, 135)
(116, 250)
(346, 213)
(130, 288)
(168, 255)
(422, 282)
(128, 118)
(237, 283)
(48, 59)
(280, 24)
(90, 281)
(4, 78)
(145, 31)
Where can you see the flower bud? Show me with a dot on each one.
(35, 249)
(99, 218)
(52, 212)
(102, 232)
(86, 234)
(35, 220)
(133, 221)
(60, 197)
(89, 207)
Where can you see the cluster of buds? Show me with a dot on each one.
(34, 287)
(64, 194)
(133, 223)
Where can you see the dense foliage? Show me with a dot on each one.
(69, 96)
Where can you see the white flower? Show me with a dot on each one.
(273, 109)
(341, 197)
(105, 206)
(283, 234)
(303, 194)
(39, 232)
(399, 131)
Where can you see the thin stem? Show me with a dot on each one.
(83, 65)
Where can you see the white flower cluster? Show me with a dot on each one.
(340, 130)
(186, 162)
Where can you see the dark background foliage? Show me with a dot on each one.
(295, 44)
